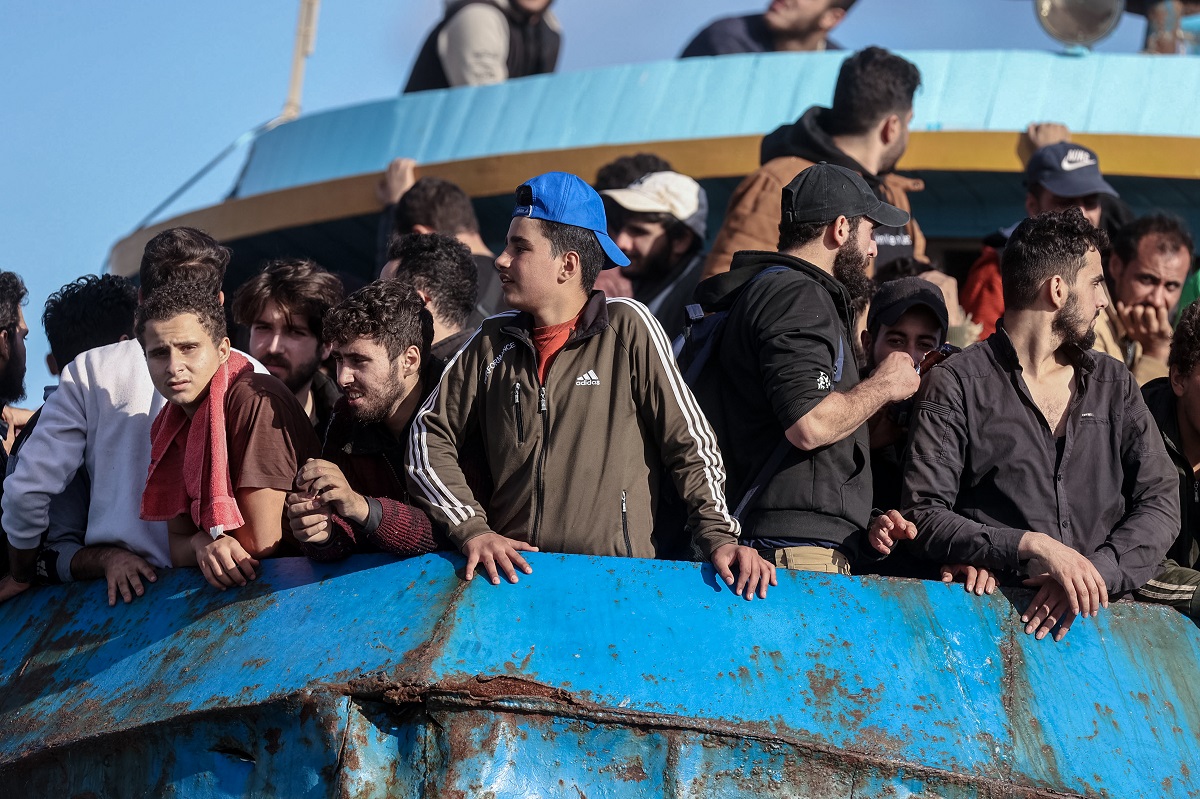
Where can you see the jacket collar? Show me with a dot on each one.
(752, 259)
(592, 321)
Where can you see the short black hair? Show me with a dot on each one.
(621, 172)
(1173, 235)
(179, 298)
(89, 312)
(440, 266)
(797, 234)
(437, 204)
(13, 295)
(872, 83)
(387, 312)
(183, 254)
(1049, 244)
(299, 287)
(570, 238)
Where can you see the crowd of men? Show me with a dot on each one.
(603, 386)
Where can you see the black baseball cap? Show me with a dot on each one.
(897, 297)
(823, 192)
(1068, 170)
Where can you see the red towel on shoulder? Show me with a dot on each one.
(196, 451)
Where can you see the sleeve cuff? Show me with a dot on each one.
(374, 516)
(1005, 541)
(1106, 564)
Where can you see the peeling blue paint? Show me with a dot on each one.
(592, 676)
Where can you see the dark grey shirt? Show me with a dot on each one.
(983, 467)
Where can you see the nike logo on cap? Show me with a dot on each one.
(1077, 159)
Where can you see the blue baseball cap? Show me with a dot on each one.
(565, 198)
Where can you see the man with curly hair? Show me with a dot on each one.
(1034, 456)
(354, 497)
(1174, 402)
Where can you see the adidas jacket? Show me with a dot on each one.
(576, 462)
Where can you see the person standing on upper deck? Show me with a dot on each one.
(786, 26)
(487, 41)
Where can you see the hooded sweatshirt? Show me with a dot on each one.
(752, 219)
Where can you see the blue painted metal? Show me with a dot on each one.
(719, 97)
(592, 677)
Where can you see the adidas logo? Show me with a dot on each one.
(588, 378)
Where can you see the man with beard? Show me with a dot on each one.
(786, 26)
(789, 372)
(283, 306)
(353, 499)
(1033, 456)
(866, 131)
(661, 226)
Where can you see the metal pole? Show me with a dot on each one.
(306, 40)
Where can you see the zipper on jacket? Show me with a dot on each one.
(540, 484)
(516, 403)
(625, 525)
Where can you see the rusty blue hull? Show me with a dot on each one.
(593, 677)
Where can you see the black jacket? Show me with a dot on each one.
(1161, 401)
(779, 356)
(983, 467)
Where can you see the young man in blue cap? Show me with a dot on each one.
(580, 408)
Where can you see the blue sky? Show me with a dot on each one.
(108, 107)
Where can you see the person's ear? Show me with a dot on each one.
(867, 341)
(220, 298)
(410, 361)
(223, 349)
(1058, 291)
(839, 231)
(890, 129)
(52, 364)
(1115, 267)
(831, 18)
(423, 230)
(326, 350)
(1177, 381)
(571, 267)
(424, 295)
(681, 244)
(5, 343)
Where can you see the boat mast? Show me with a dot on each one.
(306, 40)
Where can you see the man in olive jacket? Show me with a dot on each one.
(579, 406)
